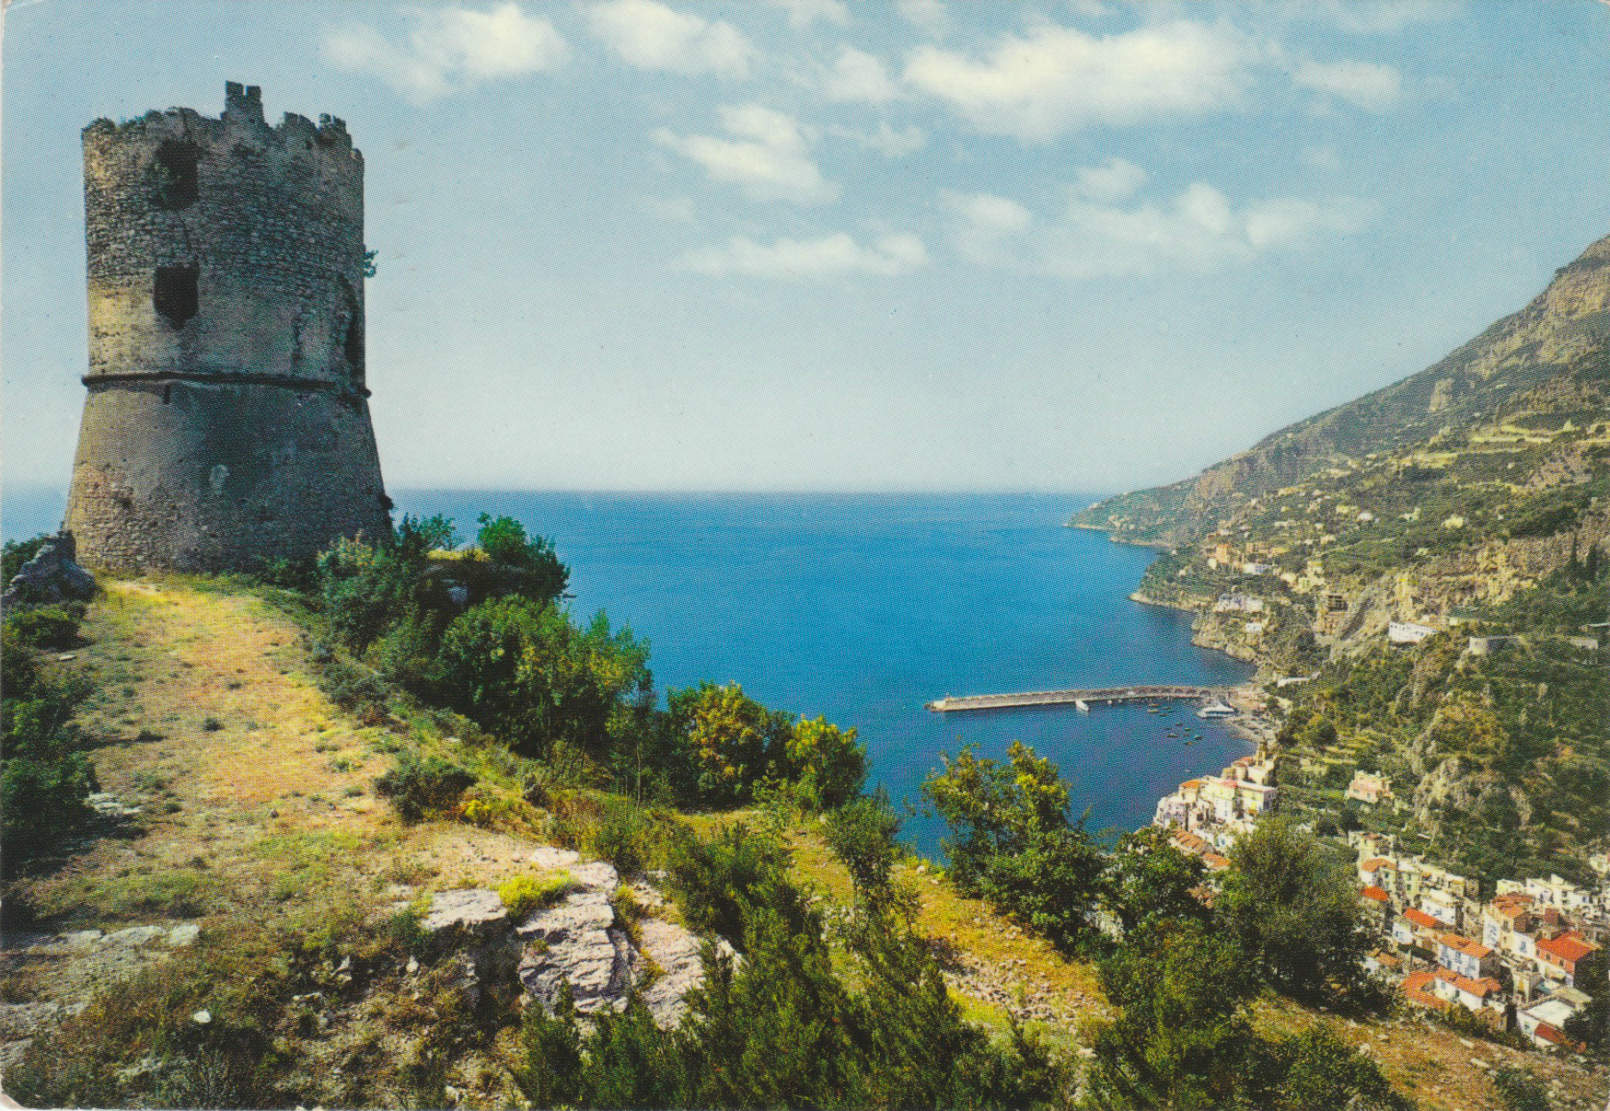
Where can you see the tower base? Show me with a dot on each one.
(211, 475)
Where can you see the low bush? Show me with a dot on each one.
(54, 627)
(525, 893)
(419, 788)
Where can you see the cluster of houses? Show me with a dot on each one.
(1526, 959)
(1207, 814)
(1523, 959)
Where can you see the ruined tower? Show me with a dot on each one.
(227, 421)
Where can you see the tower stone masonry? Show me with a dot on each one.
(227, 422)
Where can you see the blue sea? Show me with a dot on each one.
(862, 608)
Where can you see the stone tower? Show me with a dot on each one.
(227, 421)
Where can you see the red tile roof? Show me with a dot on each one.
(1373, 892)
(1481, 989)
(1374, 865)
(1568, 948)
(1215, 861)
(1421, 918)
(1417, 989)
(1466, 946)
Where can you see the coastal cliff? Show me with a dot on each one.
(1375, 547)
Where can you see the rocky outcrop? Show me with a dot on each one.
(51, 577)
(580, 941)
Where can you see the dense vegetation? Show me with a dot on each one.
(1181, 969)
(45, 775)
(810, 1013)
(485, 632)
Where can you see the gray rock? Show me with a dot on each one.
(11, 1053)
(24, 1020)
(51, 576)
(575, 942)
(475, 910)
(677, 953)
(551, 859)
(134, 936)
(181, 937)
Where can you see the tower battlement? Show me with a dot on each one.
(226, 282)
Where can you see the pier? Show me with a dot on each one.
(1081, 699)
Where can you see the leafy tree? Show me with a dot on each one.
(1591, 1025)
(1012, 842)
(1149, 878)
(862, 835)
(16, 553)
(1294, 908)
(1180, 1038)
(521, 669)
(727, 740)
(505, 542)
(1520, 1090)
(825, 764)
(1318, 1071)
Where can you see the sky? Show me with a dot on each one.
(812, 245)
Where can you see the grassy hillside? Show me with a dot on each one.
(250, 812)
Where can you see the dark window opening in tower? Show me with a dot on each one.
(174, 294)
(173, 173)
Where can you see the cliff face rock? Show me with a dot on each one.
(1553, 349)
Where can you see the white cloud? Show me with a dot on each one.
(768, 156)
(984, 226)
(449, 49)
(1199, 230)
(1384, 17)
(829, 256)
(886, 140)
(1053, 79)
(649, 35)
(1368, 85)
(929, 16)
(1114, 180)
(858, 76)
(803, 13)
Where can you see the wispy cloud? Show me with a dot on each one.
(804, 13)
(829, 256)
(1051, 79)
(930, 16)
(768, 155)
(1116, 179)
(653, 36)
(449, 49)
(1198, 230)
(885, 139)
(1368, 85)
(858, 76)
(986, 228)
(1384, 17)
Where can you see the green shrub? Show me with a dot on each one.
(418, 788)
(624, 835)
(525, 893)
(16, 553)
(1012, 842)
(44, 777)
(47, 626)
